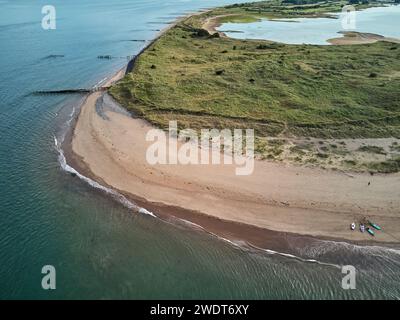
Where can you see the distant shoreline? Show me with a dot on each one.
(347, 38)
(354, 38)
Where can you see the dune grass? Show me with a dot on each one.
(206, 81)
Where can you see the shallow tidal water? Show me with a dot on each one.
(101, 249)
(381, 20)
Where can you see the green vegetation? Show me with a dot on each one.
(372, 149)
(249, 12)
(395, 147)
(388, 166)
(204, 80)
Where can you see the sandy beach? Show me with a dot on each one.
(276, 197)
(211, 24)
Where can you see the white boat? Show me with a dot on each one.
(353, 226)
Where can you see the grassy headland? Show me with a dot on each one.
(307, 103)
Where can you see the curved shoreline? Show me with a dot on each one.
(236, 233)
(255, 233)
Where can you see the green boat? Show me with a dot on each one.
(371, 232)
(374, 225)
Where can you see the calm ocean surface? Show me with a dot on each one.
(382, 20)
(101, 249)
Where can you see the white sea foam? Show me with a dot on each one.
(71, 116)
(64, 165)
(324, 245)
(287, 255)
(370, 249)
(246, 246)
(100, 82)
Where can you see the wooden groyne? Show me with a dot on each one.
(70, 91)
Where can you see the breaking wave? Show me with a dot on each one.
(67, 168)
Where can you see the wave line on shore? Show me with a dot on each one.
(243, 245)
(122, 199)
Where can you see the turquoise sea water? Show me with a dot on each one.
(100, 248)
(382, 20)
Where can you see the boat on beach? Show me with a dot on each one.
(374, 225)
